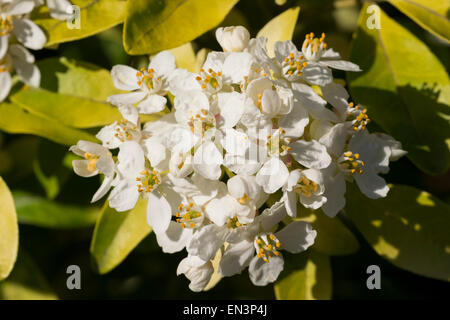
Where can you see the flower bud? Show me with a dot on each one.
(233, 38)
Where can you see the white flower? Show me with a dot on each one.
(97, 159)
(319, 58)
(267, 264)
(13, 19)
(135, 180)
(20, 60)
(198, 271)
(233, 38)
(148, 86)
(306, 186)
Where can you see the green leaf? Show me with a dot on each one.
(26, 282)
(305, 277)
(406, 90)
(429, 14)
(76, 78)
(38, 211)
(280, 28)
(155, 25)
(69, 110)
(409, 228)
(116, 234)
(333, 237)
(95, 16)
(16, 120)
(9, 231)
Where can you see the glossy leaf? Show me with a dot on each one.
(26, 282)
(280, 28)
(305, 277)
(432, 15)
(409, 228)
(185, 57)
(95, 16)
(116, 234)
(9, 239)
(333, 237)
(153, 25)
(16, 120)
(405, 87)
(38, 211)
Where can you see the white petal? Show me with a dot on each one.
(296, 237)
(206, 241)
(371, 184)
(310, 154)
(335, 139)
(290, 202)
(19, 52)
(231, 107)
(29, 34)
(207, 161)
(341, 65)
(5, 85)
(337, 96)
(126, 98)
(124, 77)
(237, 66)
(129, 113)
(272, 216)
(235, 142)
(27, 72)
(104, 188)
(236, 258)
(124, 196)
(179, 140)
(131, 160)
(174, 239)
(159, 212)
(60, 9)
(3, 45)
(317, 75)
(295, 122)
(154, 150)
(334, 192)
(262, 273)
(80, 167)
(220, 209)
(330, 53)
(163, 63)
(154, 103)
(273, 175)
(20, 7)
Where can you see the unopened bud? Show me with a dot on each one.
(233, 38)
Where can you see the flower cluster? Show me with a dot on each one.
(18, 34)
(242, 128)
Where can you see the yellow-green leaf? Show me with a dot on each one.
(69, 110)
(38, 211)
(154, 25)
(333, 237)
(409, 228)
(432, 15)
(95, 16)
(185, 57)
(406, 89)
(26, 282)
(305, 277)
(116, 234)
(16, 120)
(9, 231)
(280, 28)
